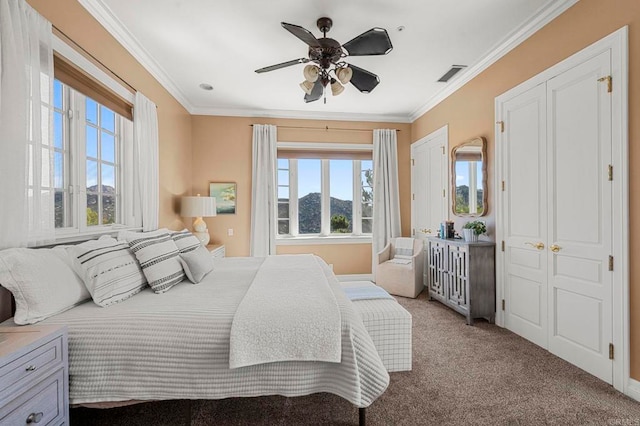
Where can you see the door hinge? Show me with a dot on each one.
(501, 123)
(413, 231)
(610, 172)
(503, 185)
(413, 162)
(611, 351)
(503, 304)
(444, 193)
(502, 245)
(442, 150)
(413, 196)
(609, 82)
(611, 263)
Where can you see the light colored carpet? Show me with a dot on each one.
(462, 375)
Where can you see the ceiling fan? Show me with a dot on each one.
(327, 56)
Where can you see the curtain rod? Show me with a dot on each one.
(327, 128)
(94, 58)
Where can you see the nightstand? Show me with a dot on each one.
(34, 375)
(216, 250)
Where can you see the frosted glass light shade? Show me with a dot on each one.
(198, 207)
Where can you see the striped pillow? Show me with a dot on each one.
(186, 241)
(159, 258)
(108, 268)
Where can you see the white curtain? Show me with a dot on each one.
(386, 196)
(263, 190)
(26, 135)
(145, 140)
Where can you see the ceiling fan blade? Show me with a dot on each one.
(376, 41)
(364, 80)
(283, 65)
(302, 33)
(316, 92)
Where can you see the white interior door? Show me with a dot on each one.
(580, 223)
(524, 213)
(429, 182)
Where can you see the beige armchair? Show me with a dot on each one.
(399, 279)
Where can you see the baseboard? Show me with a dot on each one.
(633, 389)
(355, 277)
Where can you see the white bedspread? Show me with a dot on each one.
(290, 316)
(176, 346)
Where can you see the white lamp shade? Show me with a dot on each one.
(307, 87)
(311, 73)
(336, 88)
(344, 74)
(198, 207)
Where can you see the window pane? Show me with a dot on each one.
(108, 147)
(59, 209)
(309, 184)
(57, 130)
(92, 111)
(92, 142)
(92, 175)
(283, 227)
(283, 210)
(108, 209)
(366, 226)
(283, 177)
(367, 210)
(57, 94)
(108, 178)
(107, 119)
(283, 163)
(58, 169)
(341, 195)
(92, 210)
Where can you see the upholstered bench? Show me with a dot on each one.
(389, 326)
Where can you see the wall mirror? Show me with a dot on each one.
(469, 178)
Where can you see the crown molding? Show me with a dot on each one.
(306, 115)
(103, 14)
(547, 13)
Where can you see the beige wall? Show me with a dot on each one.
(470, 111)
(174, 121)
(222, 152)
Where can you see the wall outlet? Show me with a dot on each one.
(230, 232)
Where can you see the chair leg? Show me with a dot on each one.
(362, 416)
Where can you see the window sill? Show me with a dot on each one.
(63, 237)
(319, 240)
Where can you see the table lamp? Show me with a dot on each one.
(199, 207)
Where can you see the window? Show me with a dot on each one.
(88, 163)
(324, 197)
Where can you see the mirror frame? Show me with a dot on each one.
(475, 142)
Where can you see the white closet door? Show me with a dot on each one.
(580, 227)
(524, 204)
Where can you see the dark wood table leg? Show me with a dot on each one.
(363, 418)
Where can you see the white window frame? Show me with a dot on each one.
(76, 167)
(325, 236)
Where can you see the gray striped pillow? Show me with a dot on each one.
(109, 270)
(158, 257)
(186, 241)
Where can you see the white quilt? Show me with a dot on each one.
(176, 346)
(290, 316)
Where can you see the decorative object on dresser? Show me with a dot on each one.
(400, 264)
(199, 207)
(225, 196)
(461, 275)
(472, 230)
(34, 384)
(216, 250)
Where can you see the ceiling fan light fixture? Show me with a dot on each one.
(306, 86)
(336, 87)
(344, 74)
(311, 73)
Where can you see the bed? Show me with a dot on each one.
(175, 345)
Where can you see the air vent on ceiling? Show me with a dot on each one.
(453, 71)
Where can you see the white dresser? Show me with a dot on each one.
(34, 375)
(216, 250)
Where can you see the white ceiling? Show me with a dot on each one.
(185, 43)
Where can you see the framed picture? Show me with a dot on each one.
(225, 195)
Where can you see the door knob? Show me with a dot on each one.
(555, 248)
(539, 246)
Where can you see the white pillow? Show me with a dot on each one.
(197, 263)
(186, 241)
(109, 269)
(159, 258)
(42, 282)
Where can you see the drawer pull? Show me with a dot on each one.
(34, 418)
(31, 368)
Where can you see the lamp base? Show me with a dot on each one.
(203, 237)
